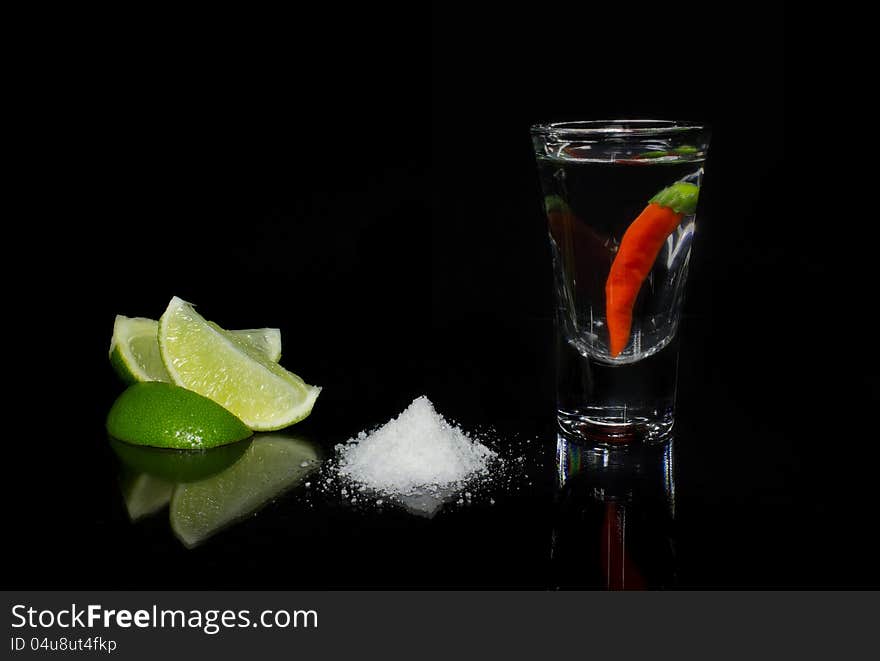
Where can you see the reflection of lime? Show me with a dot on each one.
(134, 349)
(270, 465)
(178, 465)
(144, 494)
(165, 416)
(204, 358)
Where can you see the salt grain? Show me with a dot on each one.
(417, 450)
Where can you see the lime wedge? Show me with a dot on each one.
(204, 358)
(271, 465)
(267, 341)
(164, 416)
(134, 351)
(134, 348)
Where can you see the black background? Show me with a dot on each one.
(365, 181)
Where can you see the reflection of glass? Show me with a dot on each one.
(616, 381)
(614, 517)
(212, 490)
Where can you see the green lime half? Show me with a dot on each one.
(204, 358)
(271, 465)
(166, 416)
(178, 465)
(134, 348)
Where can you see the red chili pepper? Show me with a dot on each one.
(638, 251)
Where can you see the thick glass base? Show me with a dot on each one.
(614, 427)
(600, 403)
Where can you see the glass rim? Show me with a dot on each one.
(615, 128)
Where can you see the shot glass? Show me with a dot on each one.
(620, 198)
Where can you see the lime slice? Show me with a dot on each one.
(271, 465)
(165, 416)
(204, 358)
(265, 340)
(144, 494)
(134, 349)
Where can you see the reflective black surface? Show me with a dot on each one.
(737, 501)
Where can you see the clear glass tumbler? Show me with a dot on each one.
(620, 198)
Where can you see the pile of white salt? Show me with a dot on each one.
(417, 451)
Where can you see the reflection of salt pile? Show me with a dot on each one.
(415, 452)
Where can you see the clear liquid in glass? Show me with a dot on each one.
(591, 198)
